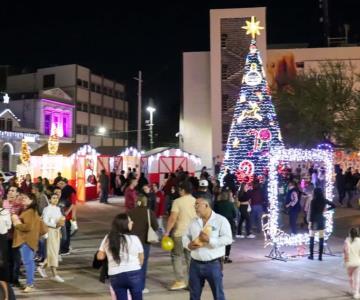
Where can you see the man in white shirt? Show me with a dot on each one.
(206, 238)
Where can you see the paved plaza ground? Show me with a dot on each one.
(251, 276)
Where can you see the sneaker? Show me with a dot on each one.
(227, 260)
(57, 278)
(251, 236)
(145, 291)
(178, 285)
(42, 272)
(18, 284)
(28, 289)
(240, 236)
(65, 253)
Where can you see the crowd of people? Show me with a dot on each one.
(202, 216)
(35, 229)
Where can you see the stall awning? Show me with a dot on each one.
(65, 149)
(110, 150)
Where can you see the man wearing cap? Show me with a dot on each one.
(204, 188)
(206, 238)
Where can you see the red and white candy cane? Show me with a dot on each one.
(247, 167)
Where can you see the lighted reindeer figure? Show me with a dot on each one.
(252, 113)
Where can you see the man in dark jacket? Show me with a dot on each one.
(104, 187)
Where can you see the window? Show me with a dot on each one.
(224, 72)
(48, 81)
(78, 106)
(9, 125)
(84, 130)
(2, 124)
(79, 82)
(98, 88)
(98, 110)
(85, 107)
(110, 112)
(110, 92)
(47, 124)
(92, 108)
(92, 87)
(78, 129)
(85, 84)
(65, 126)
(91, 130)
(223, 40)
(117, 94)
(105, 90)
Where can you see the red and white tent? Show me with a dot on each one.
(118, 158)
(160, 161)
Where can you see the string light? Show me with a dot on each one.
(278, 155)
(18, 135)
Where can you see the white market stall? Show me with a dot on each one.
(160, 161)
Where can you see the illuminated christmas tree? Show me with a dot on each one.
(25, 153)
(254, 129)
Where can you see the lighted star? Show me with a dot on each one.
(236, 143)
(253, 27)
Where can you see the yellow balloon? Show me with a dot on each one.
(167, 243)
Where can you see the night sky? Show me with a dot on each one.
(119, 38)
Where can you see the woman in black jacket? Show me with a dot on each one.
(317, 220)
(225, 207)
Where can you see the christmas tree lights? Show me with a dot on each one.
(254, 129)
(279, 155)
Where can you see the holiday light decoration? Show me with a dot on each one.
(273, 235)
(25, 153)
(53, 142)
(254, 129)
(19, 135)
(131, 151)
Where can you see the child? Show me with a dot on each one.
(160, 206)
(54, 219)
(352, 260)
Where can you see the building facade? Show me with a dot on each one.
(212, 79)
(97, 102)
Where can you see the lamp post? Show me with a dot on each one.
(151, 110)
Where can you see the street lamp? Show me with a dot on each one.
(151, 110)
(102, 130)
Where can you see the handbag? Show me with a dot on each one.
(152, 237)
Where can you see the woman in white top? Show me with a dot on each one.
(125, 256)
(5, 225)
(352, 261)
(54, 219)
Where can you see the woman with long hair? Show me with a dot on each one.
(316, 220)
(141, 226)
(28, 229)
(125, 256)
(352, 261)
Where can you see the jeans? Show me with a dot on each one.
(42, 249)
(14, 262)
(256, 214)
(244, 216)
(144, 266)
(123, 282)
(212, 273)
(104, 195)
(65, 241)
(293, 216)
(177, 255)
(27, 256)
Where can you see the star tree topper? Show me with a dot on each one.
(253, 27)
